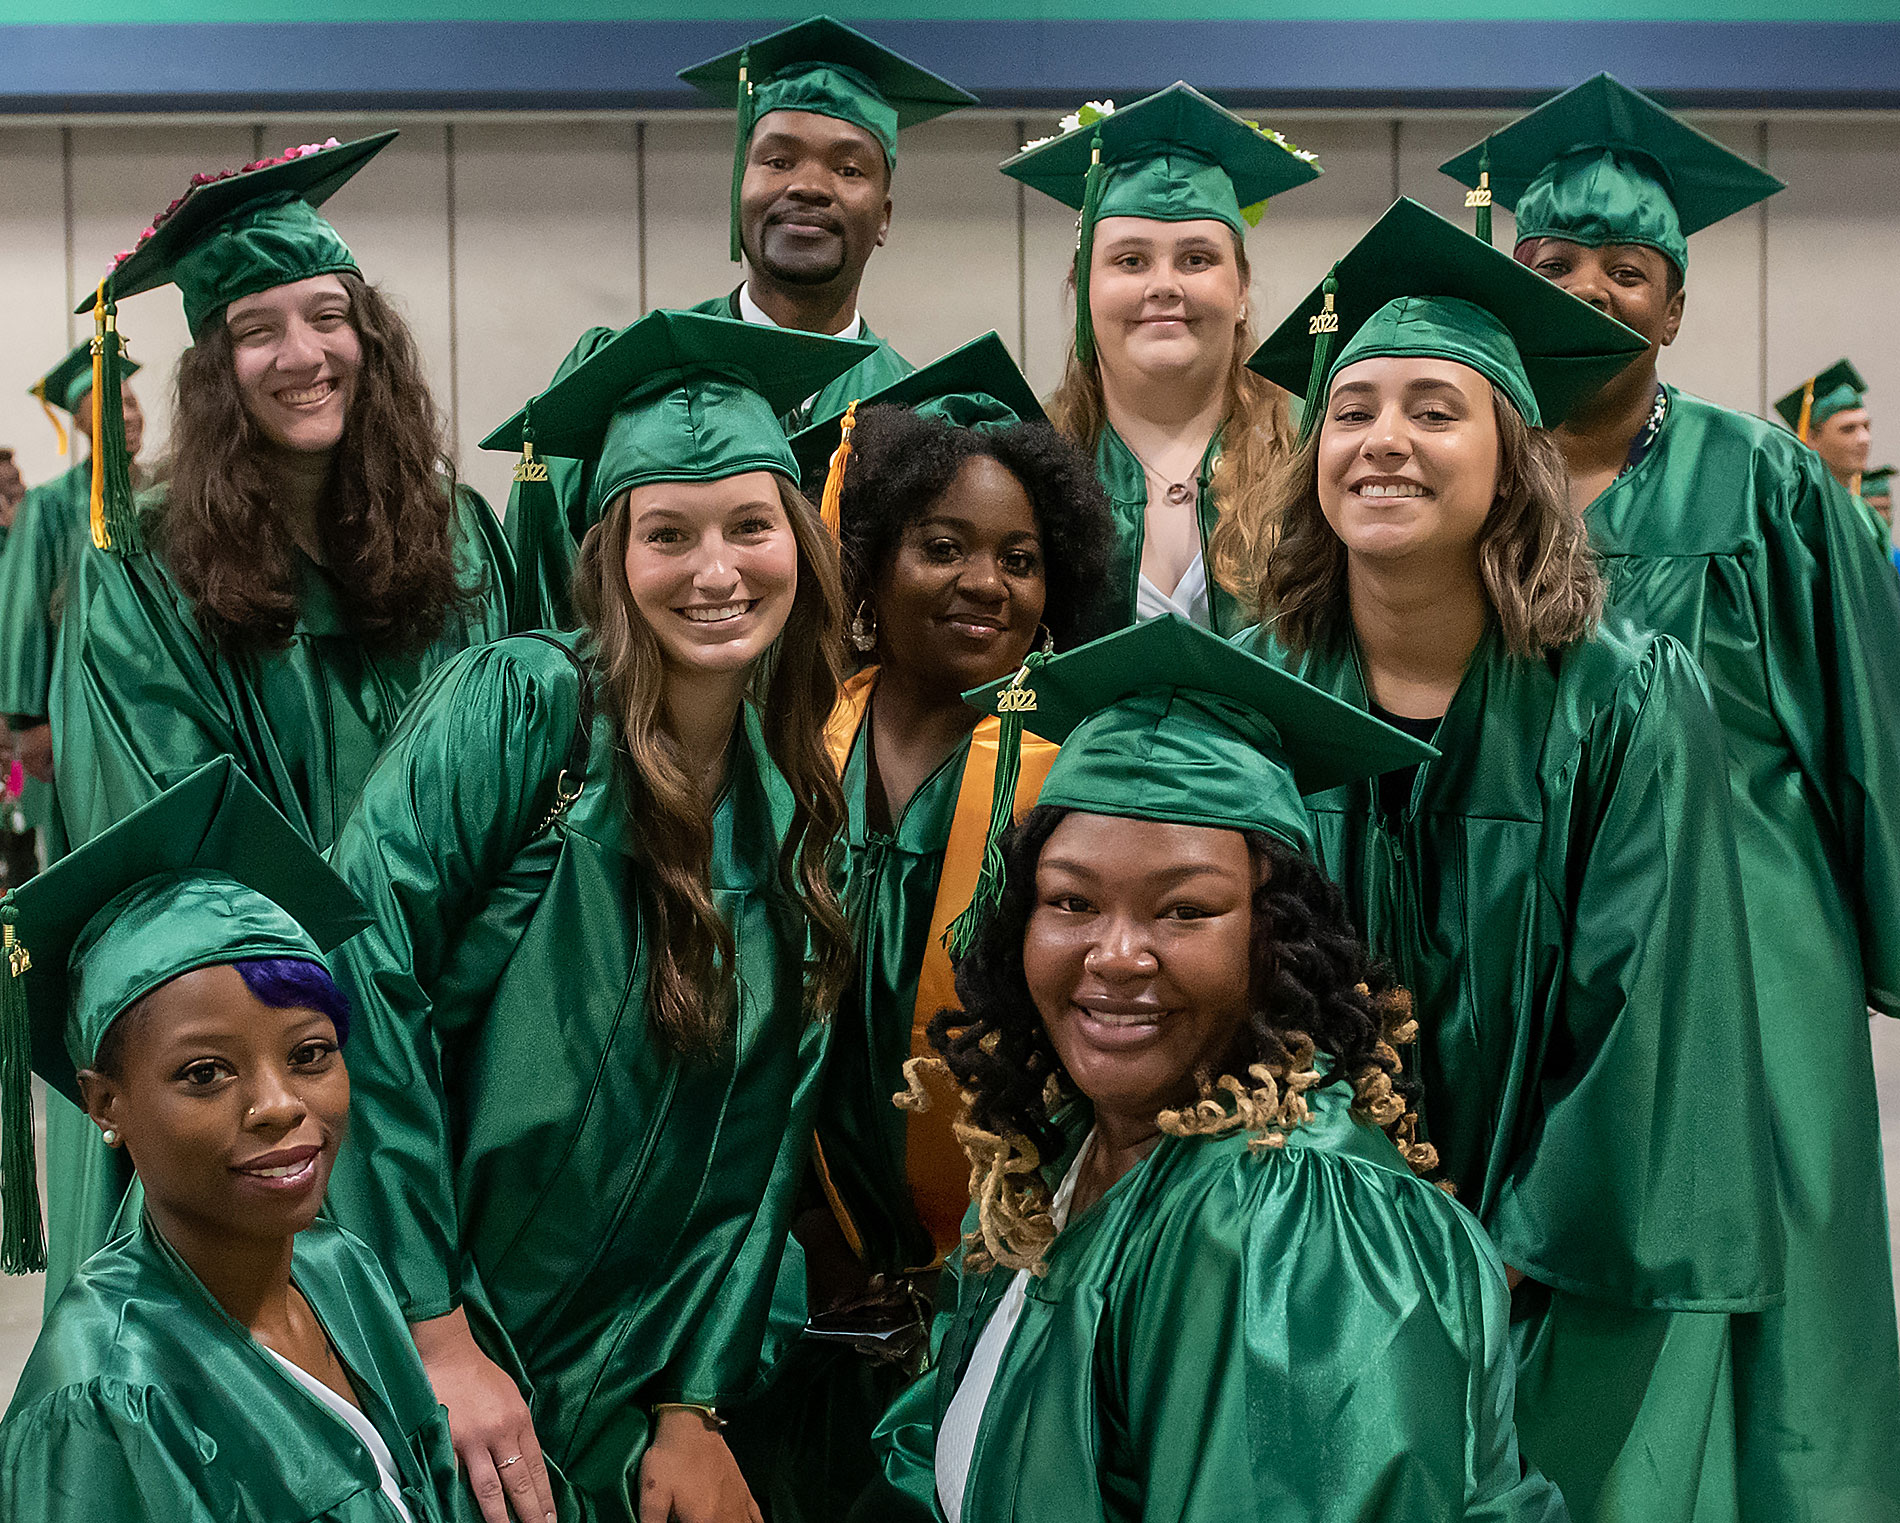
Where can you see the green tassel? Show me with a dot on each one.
(1479, 200)
(115, 514)
(537, 528)
(741, 148)
(22, 1240)
(1323, 328)
(1085, 254)
(1013, 702)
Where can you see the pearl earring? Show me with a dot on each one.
(109, 1137)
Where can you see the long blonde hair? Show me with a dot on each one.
(691, 947)
(1256, 427)
(1274, 550)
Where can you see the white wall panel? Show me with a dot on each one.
(689, 179)
(547, 240)
(34, 327)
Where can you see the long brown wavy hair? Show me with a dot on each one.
(1274, 550)
(690, 990)
(1256, 428)
(387, 519)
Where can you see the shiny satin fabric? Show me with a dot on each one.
(1306, 1332)
(610, 1216)
(141, 699)
(1732, 537)
(545, 551)
(259, 249)
(144, 1399)
(1563, 899)
(1603, 195)
(1126, 484)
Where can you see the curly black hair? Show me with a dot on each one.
(1313, 981)
(903, 462)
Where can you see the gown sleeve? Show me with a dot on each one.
(1313, 1338)
(104, 1449)
(136, 706)
(1644, 1180)
(27, 570)
(458, 790)
(906, 1437)
(1831, 632)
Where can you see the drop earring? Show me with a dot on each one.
(1047, 644)
(863, 632)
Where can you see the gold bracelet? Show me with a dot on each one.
(711, 1416)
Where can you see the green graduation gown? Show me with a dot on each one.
(609, 1215)
(49, 527)
(544, 549)
(144, 1399)
(1562, 898)
(1309, 1332)
(143, 697)
(1732, 537)
(1126, 484)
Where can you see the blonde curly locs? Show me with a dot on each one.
(690, 989)
(1274, 550)
(1256, 429)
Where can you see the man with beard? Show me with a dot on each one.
(1724, 531)
(819, 109)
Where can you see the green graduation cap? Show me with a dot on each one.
(1174, 156)
(206, 873)
(676, 396)
(230, 235)
(1838, 388)
(1877, 483)
(978, 385)
(1603, 164)
(1166, 721)
(1417, 285)
(67, 384)
(827, 68)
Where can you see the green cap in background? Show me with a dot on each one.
(978, 385)
(1174, 156)
(1602, 163)
(1838, 388)
(1166, 721)
(1876, 483)
(206, 873)
(829, 69)
(68, 384)
(676, 396)
(1418, 285)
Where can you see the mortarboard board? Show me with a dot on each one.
(1417, 285)
(1174, 156)
(1167, 721)
(1836, 389)
(204, 874)
(829, 69)
(676, 396)
(1603, 164)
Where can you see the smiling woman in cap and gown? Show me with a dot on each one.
(1727, 533)
(303, 568)
(819, 108)
(604, 944)
(972, 533)
(1203, 1278)
(1559, 889)
(1156, 386)
(231, 1358)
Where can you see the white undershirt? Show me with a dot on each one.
(360, 1425)
(752, 312)
(956, 1435)
(1189, 600)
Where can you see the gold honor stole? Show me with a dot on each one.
(935, 1165)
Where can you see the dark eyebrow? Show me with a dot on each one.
(1170, 876)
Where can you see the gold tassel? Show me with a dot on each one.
(52, 417)
(1807, 412)
(97, 512)
(831, 505)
